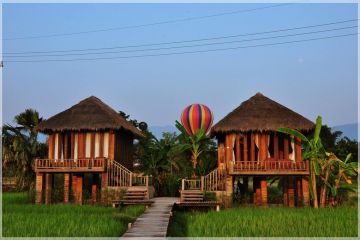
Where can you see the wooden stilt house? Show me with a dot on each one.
(251, 150)
(88, 138)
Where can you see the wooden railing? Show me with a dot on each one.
(215, 180)
(118, 175)
(195, 184)
(270, 166)
(141, 180)
(70, 165)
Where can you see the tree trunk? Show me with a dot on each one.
(313, 186)
(323, 191)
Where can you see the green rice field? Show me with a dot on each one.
(270, 222)
(23, 219)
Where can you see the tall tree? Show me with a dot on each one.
(21, 146)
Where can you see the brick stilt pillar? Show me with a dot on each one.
(38, 188)
(79, 189)
(264, 195)
(73, 187)
(298, 192)
(94, 188)
(66, 187)
(257, 195)
(48, 187)
(291, 192)
(305, 191)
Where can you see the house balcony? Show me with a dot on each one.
(270, 166)
(70, 165)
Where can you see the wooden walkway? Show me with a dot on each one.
(154, 221)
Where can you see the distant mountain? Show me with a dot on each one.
(349, 130)
(158, 130)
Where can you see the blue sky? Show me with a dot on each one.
(312, 78)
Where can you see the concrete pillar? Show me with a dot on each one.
(66, 187)
(38, 188)
(48, 187)
(305, 191)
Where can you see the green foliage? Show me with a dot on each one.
(271, 222)
(325, 167)
(21, 147)
(22, 219)
(209, 196)
(201, 149)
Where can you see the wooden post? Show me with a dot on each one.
(245, 139)
(228, 151)
(94, 188)
(51, 143)
(276, 146)
(72, 144)
(286, 147)
(73, 186)
(291, 192)
(237, 148)
(252, 149)
(112, 145)
(66, 187)
(92, 145)
(264, 192)
(66, 146)
(297, 149)
(38, 188)
(48, 187)
(305, 190)
(79, 187)
(101, 145)
(202, 183)
(59, 150)
(263, 147)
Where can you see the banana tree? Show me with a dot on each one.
(314, 152)
(343, 172)
(196, 144)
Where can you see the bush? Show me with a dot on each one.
(275, 195)
(170, 185)
(210, 196)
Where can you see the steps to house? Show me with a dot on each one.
(192, 196)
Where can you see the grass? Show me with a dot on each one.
(23, 219)
(270, 222)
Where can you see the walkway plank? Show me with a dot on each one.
(154, 221)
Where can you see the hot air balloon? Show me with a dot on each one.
(196, 116)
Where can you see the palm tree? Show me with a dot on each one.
(314, 152)
(20, 146)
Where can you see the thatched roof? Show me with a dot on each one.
(260, 113)
(91, 114)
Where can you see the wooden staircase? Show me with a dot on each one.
(192, 196)
(136, 194)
